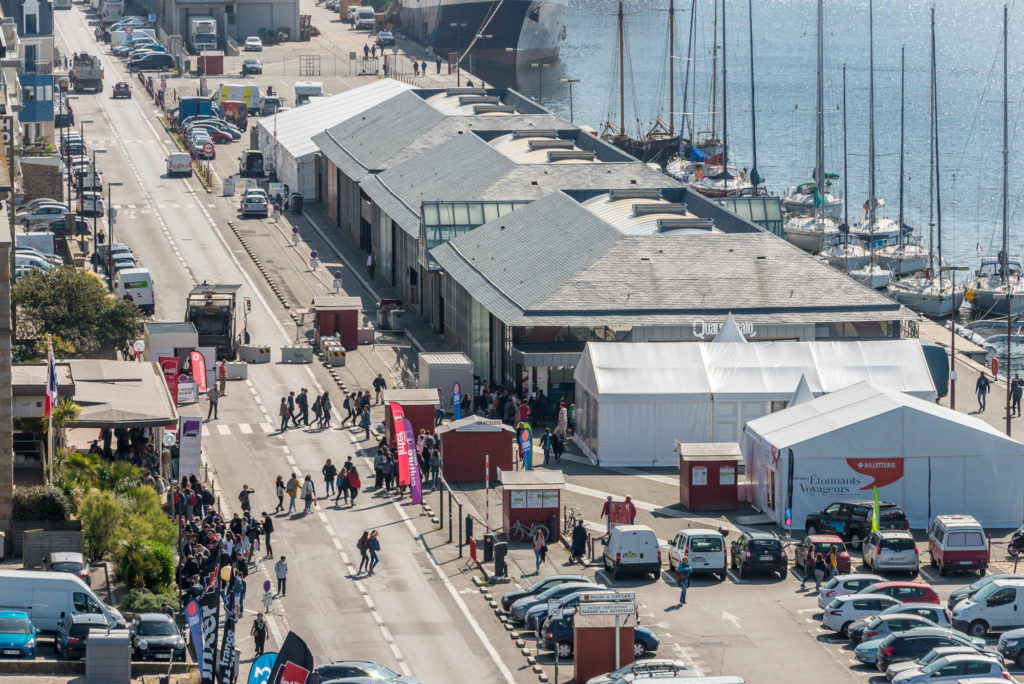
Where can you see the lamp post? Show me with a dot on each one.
(1009, 321)
(570, 81)
(81, 136)
(81, 182)
(952, 334)
(111, 215)
(540, 67)
(458, 51)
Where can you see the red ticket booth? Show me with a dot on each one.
(594, 639)
(531, 496)
(418, 406)
(336, 314)
(464, 444)
(709, 475)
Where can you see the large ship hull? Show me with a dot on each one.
(520, 31)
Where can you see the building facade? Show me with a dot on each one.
(33, 22)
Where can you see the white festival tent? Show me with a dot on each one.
(635, 399)
(922, 456)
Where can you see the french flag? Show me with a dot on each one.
(51, 380)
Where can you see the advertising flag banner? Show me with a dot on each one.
(294, 663)
(402, 445)
(209, 607)
(415, 476)
(875, 513)
(198, 370)
(260, 671)
(169, 365)
(195, 628)
(226, 672)
(457, 400)
(526, 446)
(51, 379)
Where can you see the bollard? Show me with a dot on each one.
(488, 548)
(469, 527)
(461, 538)
(441, 516)
(553, 528)
(500, 551)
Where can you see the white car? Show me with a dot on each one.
(704, 548)
(31, 206)
(841, 585)
(843, 611)
(954, 668)
(254, 204)
(91, 203)
(42, 214)
(253, 44)
(891, 550)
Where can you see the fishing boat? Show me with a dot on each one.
(999, 289)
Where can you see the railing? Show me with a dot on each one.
(42, 68)
(452, 499)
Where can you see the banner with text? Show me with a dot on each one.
(402, 445)
(414, 466)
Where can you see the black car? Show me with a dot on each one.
(537, 587)
(155, 637)
(152, 61)
(73, 633)
(851, 520)
(122, 89)
(915, 643)
(83, 226)
(759, 551)
(252, 66)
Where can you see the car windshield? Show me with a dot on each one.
(986, 591)
(378, 671)
(14, 626)
(892, 513)
(825, 547)
(835, 604)
(832, 583)
(66, 566)
(874, 622)
(898, 544)
(157, 628)
(934, 665)
(983, 582)
(705, 544)
(764, 544)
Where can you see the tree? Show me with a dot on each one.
(101, 516)
(73, 304)
(64, 414)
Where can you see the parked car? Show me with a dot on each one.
(537, 587)
(851, 520)
(842, 585)
(762, 551)
(73, 633)
(153, 61)
(519, 608)
(957, 543)
(960, 594)
(69, 561)
(936, 614)
(917, 592)
(997, 607)
(45, 213)
(361, 671)
(897, 654)
(704, 548)
(38, 202)
(538, 613)
(255, 205)
(385, 39)
(632, 549)
(90, 203)
(881, 626)
(253, 44)
(843, 611)
(803, 556)
(122, 89)
(954, 668)
(890, 550)
(216, 135)
(252, 66)
(558, 633)
(17, 635)
(1011, 646)
(154, 636)
(655, 667)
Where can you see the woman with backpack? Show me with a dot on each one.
(374, 548)
(364, 551)
(353, 485)
(317, 410)
(347, 405)
(325, 405)
(308, 494)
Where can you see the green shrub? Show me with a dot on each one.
(144, 601)
(164, 558)
(101, 516)
(139, 557)
(42, 502)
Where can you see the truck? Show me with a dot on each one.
(240, 92)
(86, 73)
(307, 89)
(235, 112)
(194, 106)
(211, 309)
(202, 33)
(111, 11)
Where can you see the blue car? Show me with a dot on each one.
(17, 635)
(559, 633)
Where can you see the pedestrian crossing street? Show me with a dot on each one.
(147, 209)
(234, 429)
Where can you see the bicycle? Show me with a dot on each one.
(570, 516)
(520, 532)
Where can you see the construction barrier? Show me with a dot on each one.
(254, 354)
(335, 355)
(300, 353)
(237, 370)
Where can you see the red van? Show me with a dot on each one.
(956, 543)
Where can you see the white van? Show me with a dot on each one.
(632, 549)
(46, 596)
(997, 607)
(957, 543)
(44, 242)
(353, 12)
(136, 286)
(179, 163)
(704, 548)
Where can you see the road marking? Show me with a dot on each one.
(205, 431)
(337, 543)
(245, 428)
(729, 617)
(267, 427)
(224, 429)
(734, 577)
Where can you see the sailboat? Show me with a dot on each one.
(999, 288)
(923, 292)
(845, 252)
(659, 143)
(871, 274)
(810, 232)
(906, 256)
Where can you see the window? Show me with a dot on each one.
(975, 667)
(85, 603)
(705, 544)
(909, 593)
(832, 510)
(897, 544)
(1003, 597)
(864, 605)
(950, 670)
(965, 539)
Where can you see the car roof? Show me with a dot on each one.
(154, 617)
(758, 534)
(88, 619)
(954, 657)
(846, 598)
(896, 533)
(691, 531)
(63, 556)
(880, 585)
(859, 575)
(833, 538)
(861, 502)
(914, 605)
(1008, 582)
(901, 616)
(931, 631)
(17, 614)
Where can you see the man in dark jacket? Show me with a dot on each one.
(330, 473)
(302, 401)
(579, 542)
(379, 385)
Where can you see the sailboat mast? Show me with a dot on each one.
(846, 214)
(871, 128)
(671, 67)
(725, 114)
(819, 116)
(714, 72)
(902, 108)
(933, 173)
(622, 78)
(1006, 156)
(689, 61)
(753, 102)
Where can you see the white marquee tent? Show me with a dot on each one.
(924, 457)
(294, 153)
(634, 400)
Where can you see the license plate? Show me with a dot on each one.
(966, 563)
(162, 655)
(11, 651)
(766, 558)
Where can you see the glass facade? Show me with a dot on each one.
(444, 221)
(766, 212)
(554, 334)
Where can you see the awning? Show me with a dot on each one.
(121, 394)
(546, 356)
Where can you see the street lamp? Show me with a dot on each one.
(81, 190)
(479, 36)
(952, 334)
(570, 81)
(540, 67)
(111, 216)
(458, 51)
(81, 136)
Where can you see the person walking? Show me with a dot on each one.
(308, 494)
(279, 490)
(423, 67)
(330, 472)
(631, 509)
(379, 385)
(683, 572)
(268, 527)
(342, 484)
(214, 396)
(1016, 389)
(388, 470)
(378, 468)
(364, 551)
(325, 406)
(435, 468)
(374, 548)
(364, 422)
(545, 442)
(438, 63)
(563, 420)
(371, 265)
(833, 561)
(243, 498)
(291, 408)
(606, 513)
(281, 572)
(579, 542)
(284, 413)
(318, 410)
(347, 405)
(222, 377)
(353, 485)
(293, 491)
(981, 388)
(259, 633)
(539, 547)
(557, 446)
(302, 401)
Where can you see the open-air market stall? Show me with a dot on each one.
(924, 457)
(465, 443)
(635, 400)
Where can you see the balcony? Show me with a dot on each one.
(41, 68)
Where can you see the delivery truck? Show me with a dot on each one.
(240, 92)
(194, 106)
(307, 89)
(202, 33)
(86, 73)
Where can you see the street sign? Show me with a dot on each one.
(555, 609)
(606, 596)
(128, 30)
(139, 346)
(607, 608)
(169, 439)
(182, 378)
(266, 585)
(208, 148)
(151, 18)
(163, 83)
(337, 275)
(314, 254)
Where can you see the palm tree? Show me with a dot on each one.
(64, 414)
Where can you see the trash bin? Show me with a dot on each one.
(469, 528)
(552, 528)
(395, 320)
(488, 548)
(295, 202)
(500, 551)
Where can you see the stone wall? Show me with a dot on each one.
(18, 530)
(41, 177)
(39, 544)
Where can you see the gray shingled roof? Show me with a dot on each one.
(579, 268)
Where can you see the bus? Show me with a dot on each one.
(111, 11)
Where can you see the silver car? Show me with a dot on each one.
(891, 550)
(953, 668)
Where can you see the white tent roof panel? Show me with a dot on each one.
(893, 364)
(758, 370)
(628, 372)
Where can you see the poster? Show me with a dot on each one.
(727, 475)
(190, 429)
(699, 476)
(517, 498)
(534, 498)
(550, 498)
(169, 365)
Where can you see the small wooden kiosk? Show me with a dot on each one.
(464, 443)
(418, 406)
(709, 475)
(337, 314)
(531, 496)
(594, 639)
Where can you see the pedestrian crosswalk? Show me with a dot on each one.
(229, 429)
